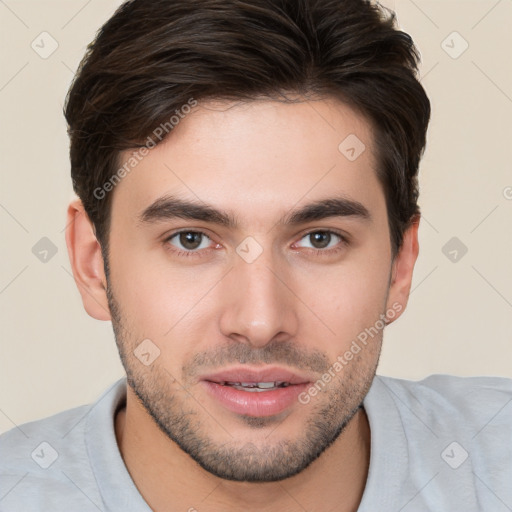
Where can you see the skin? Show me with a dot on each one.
(291, 306)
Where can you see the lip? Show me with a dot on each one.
(267, 374)
(255, 403)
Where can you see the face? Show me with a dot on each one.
(247, 253)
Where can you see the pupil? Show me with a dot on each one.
(190, 240)
(320, 239)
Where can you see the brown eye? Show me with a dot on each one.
(189, 240)
(320, 239)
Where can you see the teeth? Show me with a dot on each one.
(256, 386)
(266, 385)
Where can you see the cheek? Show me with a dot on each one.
(159, 300)
(348, 298)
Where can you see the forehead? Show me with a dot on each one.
(258, 157)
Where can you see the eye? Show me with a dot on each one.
(323, 241)
(189, 241)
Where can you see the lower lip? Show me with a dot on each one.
(255, 403)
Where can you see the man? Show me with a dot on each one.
(247, 219)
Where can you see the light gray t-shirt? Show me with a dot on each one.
(442, 444)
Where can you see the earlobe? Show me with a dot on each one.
(86, 261)
(402, 271)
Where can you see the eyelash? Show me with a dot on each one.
(321, 252)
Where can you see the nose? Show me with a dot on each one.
(259, 303)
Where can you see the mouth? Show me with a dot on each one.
(255, 392)
(256, 386)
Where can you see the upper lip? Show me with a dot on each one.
(253, 375)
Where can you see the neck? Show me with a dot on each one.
(168, 479)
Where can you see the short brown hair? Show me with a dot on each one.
(153, 56)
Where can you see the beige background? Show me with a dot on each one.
(53, 356)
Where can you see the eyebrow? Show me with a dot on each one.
(171, 207)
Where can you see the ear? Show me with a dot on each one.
(86, 261)
(402, 270)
